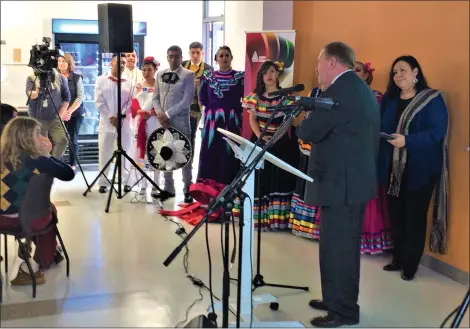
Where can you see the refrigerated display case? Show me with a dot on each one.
(80, 38)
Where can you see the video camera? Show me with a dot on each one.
(43, 59)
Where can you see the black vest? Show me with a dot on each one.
(72, 82)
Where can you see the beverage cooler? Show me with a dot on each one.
(80, 38)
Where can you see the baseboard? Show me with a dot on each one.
(445, 269)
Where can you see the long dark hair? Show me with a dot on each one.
(260, 87)
(392, 89)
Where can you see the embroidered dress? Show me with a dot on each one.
(221, 94)
(304, 219)
(275, 185)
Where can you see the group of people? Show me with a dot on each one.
(369, 193)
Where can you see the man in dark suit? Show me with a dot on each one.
(197, 66)
(342, 163)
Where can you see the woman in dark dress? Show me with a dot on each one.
(275, 185)
(220, 93)
(412, 164)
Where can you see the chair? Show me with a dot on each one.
(36, 204)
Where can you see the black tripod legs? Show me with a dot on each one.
(98, 176)
(258, 281)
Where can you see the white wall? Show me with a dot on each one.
(241, 17)
(23, 23)
(277, 15)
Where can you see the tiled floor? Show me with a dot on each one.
(118, 279)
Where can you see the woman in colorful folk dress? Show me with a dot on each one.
(376, 231)
(220, 93)
(304, 219)
(142, 109)
(274, 186)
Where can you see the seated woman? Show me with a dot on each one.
(24, 152)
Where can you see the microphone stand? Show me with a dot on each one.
(226, 196)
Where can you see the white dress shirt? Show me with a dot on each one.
(106, 101)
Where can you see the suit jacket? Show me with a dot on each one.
(175, 99)
(196, 105)
(345, 144)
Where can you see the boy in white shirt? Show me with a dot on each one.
(106, 103)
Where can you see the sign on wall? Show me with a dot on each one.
(262, 46)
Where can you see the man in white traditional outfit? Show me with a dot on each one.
(172, 98)
(106, 103)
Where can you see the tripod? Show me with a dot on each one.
(119, 154)
(258, 280)
(44, 81)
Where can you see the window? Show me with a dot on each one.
(213, 29)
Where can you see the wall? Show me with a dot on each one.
(253, 16)
(25, 29)
(437, 33)
(277, 15)
(241, 17)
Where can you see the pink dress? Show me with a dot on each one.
(376, 234)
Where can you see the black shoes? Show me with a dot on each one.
(103, 189)
(318, 305)
(188, 198)
(395, 267)
(331, 321)
(163, 195)
(127, 188)
(392, 267)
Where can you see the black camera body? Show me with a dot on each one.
(43, 59)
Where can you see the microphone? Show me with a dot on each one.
(285, 91)
(313, 102)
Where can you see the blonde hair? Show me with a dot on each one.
(56, 79)
(70, 61)
(17, 140)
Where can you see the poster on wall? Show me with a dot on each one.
(262, 46)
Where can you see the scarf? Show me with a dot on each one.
(438, 241)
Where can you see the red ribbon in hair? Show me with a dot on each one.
(368, 68)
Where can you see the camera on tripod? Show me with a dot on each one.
(43, 59)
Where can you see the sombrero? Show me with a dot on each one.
(168, 149)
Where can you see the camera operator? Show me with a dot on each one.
(42, 108)
(76, 110)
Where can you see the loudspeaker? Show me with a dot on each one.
(115, 28)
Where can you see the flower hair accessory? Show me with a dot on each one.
(280, 65)
(368, 68)
(151, 59)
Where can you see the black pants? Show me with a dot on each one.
(408, 215)
(73, 128)
(340, 258)
(194, 129)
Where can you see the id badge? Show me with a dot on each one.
(44, 103)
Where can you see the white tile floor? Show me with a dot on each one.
(118, 279)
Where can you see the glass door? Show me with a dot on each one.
(214, 38)
(86, 56)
